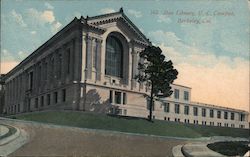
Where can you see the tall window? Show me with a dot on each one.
(118, 97)
(203, 112)
(111, 96)
(218, 114)
(186, 110)
(195, 111)
(176, 93)
(186, 95)
(242, 117)
(64, 95)
(225, 115)
(124, 98)
(55, 97)
(113, 58)
(166, 107)
(48, 99)
(177, 108)
(232, 116)
(36, 103)
(211, 113)
(42, 101)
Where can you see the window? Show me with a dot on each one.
(177, 108)
(117, 97)
(55, 97)
(111, 96)
(176, 93)
(64, 95)
(124, 101)
(211, 113)
(42, 101)
(225, 115)
(219, 114)
(36, 103)
(195, 111)
(166, 107)
(113, 57)
(48, 99)
(232, 116)
(203, 112)
(186, 110)
(186, 95)
(242, 117)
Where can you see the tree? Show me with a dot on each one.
(157, 73)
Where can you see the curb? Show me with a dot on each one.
(11, 137)
(14, 142)
(3, 130)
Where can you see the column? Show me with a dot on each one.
(72, 61)
(130, 65)
(103, 52)
(89, 57)
(98, 59)
(134, 61)
(82, 56)
(93, 59)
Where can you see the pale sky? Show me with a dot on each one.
(208, 41)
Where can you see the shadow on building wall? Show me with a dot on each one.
(95, 103)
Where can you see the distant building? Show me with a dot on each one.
(90, 65)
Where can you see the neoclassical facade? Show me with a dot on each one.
(90, 65)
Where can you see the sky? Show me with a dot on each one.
(207, 40)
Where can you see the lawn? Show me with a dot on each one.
(131, 125)
(230, 148)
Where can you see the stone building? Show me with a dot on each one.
(89, 65)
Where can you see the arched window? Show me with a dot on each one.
(113, 57)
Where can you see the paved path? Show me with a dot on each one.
(48, 140)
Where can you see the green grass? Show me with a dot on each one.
(230, 148)
(162, 128)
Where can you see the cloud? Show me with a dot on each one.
(107, 10)
(48, 16)
(163, 19)
(48, 5)
(18, 18)
(41, 18)
(8, 56)
(33, 32)
(135, 13)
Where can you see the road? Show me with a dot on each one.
(49, 140)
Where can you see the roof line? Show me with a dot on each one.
(40, 47)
